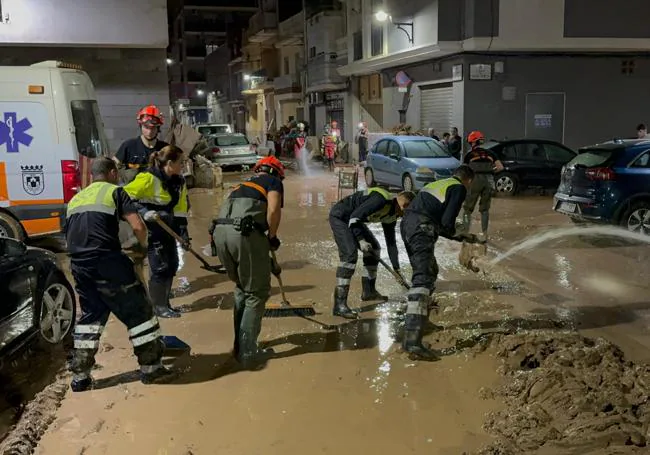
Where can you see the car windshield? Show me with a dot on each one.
(591, 158)
(88, 128)
(225, 141)
(208, 130)
(424, 149)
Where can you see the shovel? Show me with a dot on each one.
(396, 275)
(186, 247)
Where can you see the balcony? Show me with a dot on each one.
(291, 30)
(289, 83)
(322, 73)
(262, 26)
(318, 6)
(198, 52)
(257, 83)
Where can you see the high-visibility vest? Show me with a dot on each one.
(97, 197)
(182, 207)
(382, 216)
(438, 189)
(146, 188)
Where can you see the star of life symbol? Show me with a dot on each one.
(13, 132)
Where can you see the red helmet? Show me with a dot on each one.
(271, 165)
(150, 116)
(475, 136)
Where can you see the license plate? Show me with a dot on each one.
(567, 207)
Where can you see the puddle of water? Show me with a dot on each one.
(593, 231)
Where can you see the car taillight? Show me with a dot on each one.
(600, 173)
(216, 151)
(71, 179)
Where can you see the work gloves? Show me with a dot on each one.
(151, 216)
(274, 242)
(469, 238)
(366, 247)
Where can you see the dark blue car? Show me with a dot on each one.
(608, 183)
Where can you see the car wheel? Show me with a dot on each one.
(506, 183)
(370, 177)
(11, 228)
(57, 310)
(637, 218)
(407, 183)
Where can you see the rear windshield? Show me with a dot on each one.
(225, 141)
(591, 158)
(88, 128)
(214, 129)
(424, 149)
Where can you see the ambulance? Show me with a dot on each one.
(50, 131)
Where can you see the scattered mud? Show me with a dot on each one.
(566, 394)
(36, 418)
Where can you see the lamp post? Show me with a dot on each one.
(383, 16)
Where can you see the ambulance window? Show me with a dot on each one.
(88, 128)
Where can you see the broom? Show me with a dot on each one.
(285, 309)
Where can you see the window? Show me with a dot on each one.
(376, 39)
(424, 149)
(225, 141)
(286, 65)
(393, 148)
(88, 129)
(382, 148)
(558, 154)
(509, 153)
(312, 52)
(531, 152)
(209, 130)
(643, 161)
(357, 39)
(591, 157)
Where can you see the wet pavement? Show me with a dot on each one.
(336, 386)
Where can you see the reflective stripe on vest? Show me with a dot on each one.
(438, 189)
(382, 216)
(148, 189)
(97, 197)
(182, 208)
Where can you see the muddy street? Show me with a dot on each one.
(523, 370)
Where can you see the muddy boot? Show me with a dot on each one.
(467, 223)
(82, 384)
(170, 284)
(160, 299)
(253, 360)
(159, 375)
(412, 343)
(369, 291)
(341, 307)
(485, 221)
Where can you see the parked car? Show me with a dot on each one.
(608, 183)
(529, 163)
(408, 162)
(210, 129)
(37, 299)
(232, 150)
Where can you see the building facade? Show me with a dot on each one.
(120, 44)
(287, 86)
(511, 68)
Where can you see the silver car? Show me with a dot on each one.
(232, 150)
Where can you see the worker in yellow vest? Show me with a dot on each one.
(432, 214)
(348, 219)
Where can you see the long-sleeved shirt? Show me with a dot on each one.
(441, 214)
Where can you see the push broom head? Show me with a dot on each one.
(283, 310)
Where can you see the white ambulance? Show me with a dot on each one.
(50, 130)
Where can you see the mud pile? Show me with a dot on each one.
(36, 418)
(566, 394)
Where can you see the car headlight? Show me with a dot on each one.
(424, 170)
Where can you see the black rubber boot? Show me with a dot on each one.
(251, 361)
(81, 385)
(169, 285)
(412, 343)
(159, 294)
(160, 375)
(341, 307)
(485, 221)
(369, 291)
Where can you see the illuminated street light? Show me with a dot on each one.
(200, 92)
(247, 77)
(381, 16)
(170, 61)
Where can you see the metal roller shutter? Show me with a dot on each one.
(436, 107)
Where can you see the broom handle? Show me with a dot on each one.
(180, 240)
(280, 285)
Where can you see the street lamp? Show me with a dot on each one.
(383, 16)
(247, 77)
(200, 92)
(169, 61)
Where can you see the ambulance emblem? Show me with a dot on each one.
(33, 179)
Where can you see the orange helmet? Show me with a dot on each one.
(271, 165)
(150, 116)
(475, 136)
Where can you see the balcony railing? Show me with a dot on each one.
(287, 83)
(318, 6)
(261, 26)
(322, 70)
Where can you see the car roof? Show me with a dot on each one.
(618, 144)
(226, 134)
(405, 138)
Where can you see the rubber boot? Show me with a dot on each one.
(81, 385)
(170, 284)
(369, 291)
(160, 375)
(485, 221)
(412, 343)
(467, 221)
(341, 307)
(159, 293)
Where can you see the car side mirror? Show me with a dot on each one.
(394, 157)
(11, 247)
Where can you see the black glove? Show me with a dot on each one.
(275, 268)
(469, 238)
(275, 243)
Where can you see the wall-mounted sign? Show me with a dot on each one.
(509, 93)
(457, 72)
(543, 120)
(480, 72)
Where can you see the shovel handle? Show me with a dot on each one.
(394, 273)
(180, 240)
(280, 284)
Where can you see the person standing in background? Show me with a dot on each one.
(641, 131)
(362, 140)
(455, 144)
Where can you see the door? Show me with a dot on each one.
(16, 305)
(556, 158)
(530, 164)
(380, 161)
(637, 175)
(394, 167)
(545, 116)
(436, 107)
